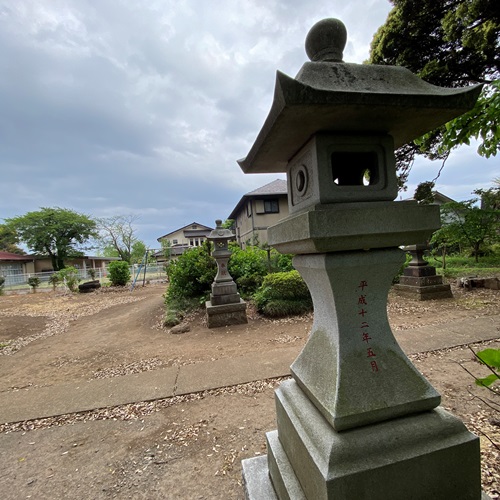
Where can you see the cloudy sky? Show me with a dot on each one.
(142, 107)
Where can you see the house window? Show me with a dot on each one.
(174, 242)
(194, 226)
(271, 206)
(191, 242)
(249, 209)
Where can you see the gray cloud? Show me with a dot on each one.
(143, 106)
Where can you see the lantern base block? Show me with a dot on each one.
(226, 314)
(426, 455)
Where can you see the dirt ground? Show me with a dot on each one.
(190, 446)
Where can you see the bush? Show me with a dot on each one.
(119, 273)
(191, 275)
(69, 276)
(281, 263)
(248, 268)
(283, 294)
(34, 283)
(2, 282)
(54, 280)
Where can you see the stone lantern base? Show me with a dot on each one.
(421, 456)
(226, 314)
(419, 280)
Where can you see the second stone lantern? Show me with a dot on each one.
(358, 421)
(225, 306)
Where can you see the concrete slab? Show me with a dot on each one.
(40, 402)
(233, 371)
(444, 336)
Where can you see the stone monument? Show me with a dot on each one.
(225, 306)
(358, 421)
(420, 280)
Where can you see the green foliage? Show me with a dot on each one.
(55, 232)
(458, 266)
(424, 194)
(92, 273)
(191, 275)
(283, 294)
(119, 273)
(491, 358)
(2, 283)
(449, 43)
(54, 280)
(34, 282)
(9, 240)
(69, 276)
(248, 268)
(480, 123)
(468, 225)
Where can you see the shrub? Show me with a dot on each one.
(69, 276)
(190, 277)
(192, 274)
(2, 282)
(119, 273)
(280, 263)
(34, 283)
(248, 268)
(283, 294)
(54, 280)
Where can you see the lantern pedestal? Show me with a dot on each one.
(419, 280)
(225, 306)
(410, 457)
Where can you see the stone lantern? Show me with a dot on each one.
(358, 421)
(225, 306)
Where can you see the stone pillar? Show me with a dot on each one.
(420, 280)
(358, 421)
(225, 306)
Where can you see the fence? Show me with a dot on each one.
(18, 282)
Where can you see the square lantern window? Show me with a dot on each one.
(332, 168)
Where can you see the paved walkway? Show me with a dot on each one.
(39, 402)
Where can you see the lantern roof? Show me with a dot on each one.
(330, 95)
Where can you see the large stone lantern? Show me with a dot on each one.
(358, 421)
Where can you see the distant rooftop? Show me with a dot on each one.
(275, 187)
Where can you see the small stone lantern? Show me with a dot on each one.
(358, 420)
(225, 306)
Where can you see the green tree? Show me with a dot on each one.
(9, 240)
(467, 224)
(117, 236)
(449, 43)
(55, 232)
